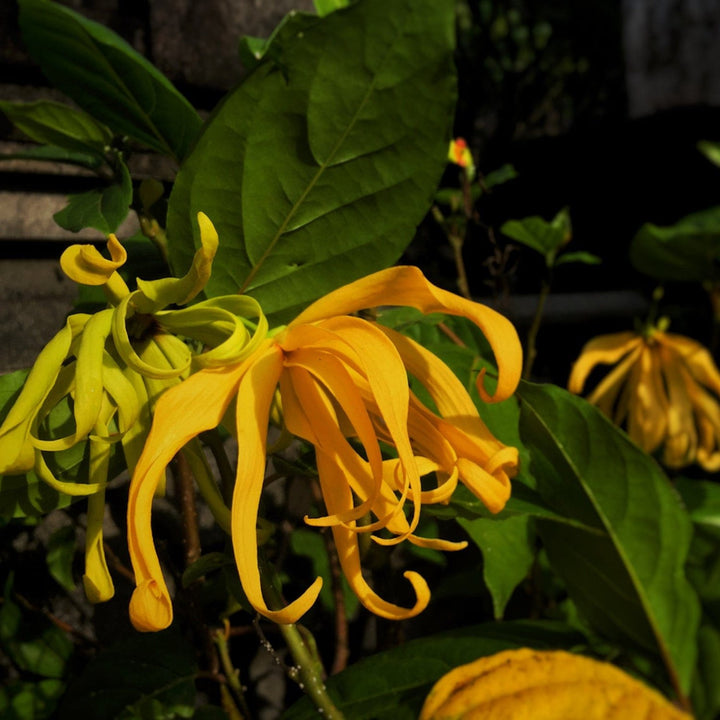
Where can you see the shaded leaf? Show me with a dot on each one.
(31, 641)
(24, 495)
(60, 555)
(627, 576)
(51, 153)
(702, 499)
(537, 233)
(103, 208)
(556, 684)
(689, 250)
(508, 550)
(205, 564)
(392, 685)
(585, 258)
(706, 690)
(711, 150)
(53, 123)
(107, 78)
(30, 700)
(145, 673)
(318, 168)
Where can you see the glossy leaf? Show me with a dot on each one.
(689, 250)
(103, 208)
(508, 550)
(53, 123)
(107, 78)
(145, 675)
(392, 685)
(626, 576)
(318, 168)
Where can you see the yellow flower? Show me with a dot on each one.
(111, 367)
(664, 390)
(543, 685)
(460, 154)
(339, 377)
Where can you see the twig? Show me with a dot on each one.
(220, 638)
(342, 649)
(531, 349)
(186, 497)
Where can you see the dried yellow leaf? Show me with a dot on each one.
(529, 684)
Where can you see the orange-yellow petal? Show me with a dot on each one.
(405, 285)
(607, 349)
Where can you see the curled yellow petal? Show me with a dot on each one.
(606, 349)
(405, 285)
(86, 266)
(529, 684)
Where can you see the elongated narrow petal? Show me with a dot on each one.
(346, 542)
(405, 285)
(606, 349)
(255, 394)
(697, 358)
(154, 295)
(181, 414)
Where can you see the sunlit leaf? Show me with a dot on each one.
(319, 167)
(626, 576)
(546, 237)
(508, 550)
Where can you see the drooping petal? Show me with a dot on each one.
(681, 439)
(404, 285)
(254, 398)
(607, 349)
(16, 450)
(337, 496)
(697, 358)
(182, 413)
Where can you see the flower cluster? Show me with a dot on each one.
(664, 390)
(111, 367)
(340, 378)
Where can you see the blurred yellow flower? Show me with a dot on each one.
(459, 153)
(109, 369)
(339, 377)
(526, 684)
(664, 390)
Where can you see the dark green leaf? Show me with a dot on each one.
(51, 153)
(393, 685)
(627, 576)
(585, 258)
(145, 673)
(318, 168)
(53, 123)
(23, 495)
(508, 550)
(30, 700)
(31, 641)
(205, 564)
(688, 250)
(103, 209)
(107, 78)
(503, 174)
(706, 689)
(60, 554)
(702, 499)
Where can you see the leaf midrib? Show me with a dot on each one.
(327, 163)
